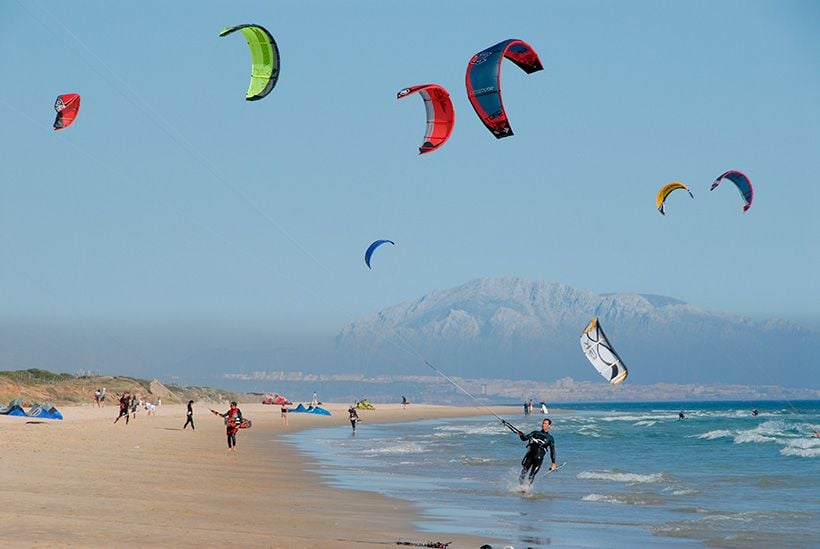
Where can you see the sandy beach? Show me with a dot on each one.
(86, 481)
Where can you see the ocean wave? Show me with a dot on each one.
(625, 499)
(481, 429)
(645, 423)
(750, 437)
(405, 448)
(802, 447)
(600, 497)
(640, 417)
(712, 435)
(680, 490)
(631, 478)
(589, 431)
(472, 460)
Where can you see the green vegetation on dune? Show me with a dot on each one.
(36, 385)
(35, 375)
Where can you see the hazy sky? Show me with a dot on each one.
(174, 201)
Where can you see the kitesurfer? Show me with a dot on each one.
(681, 415)
(353, 416)
(233, 419)
(190, 414)
(537, 444)
(755, 412)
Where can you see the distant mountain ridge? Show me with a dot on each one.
(519, 329)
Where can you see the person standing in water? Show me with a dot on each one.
(233, 419)
(537, 444)
(190, 413)
(353, 416)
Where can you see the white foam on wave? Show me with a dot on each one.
(632, 478)
(712, 435)
(640, 417)
(589, 431)
(624, 499)
(802, 447)
(476, 429)
(680, 490)
(403, 448)
(471, 460)
(601, 498)
(750, 437)
(645, 423)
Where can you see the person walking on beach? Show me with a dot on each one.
(353, 416)
(284, 412)
(125, 404)
(190, 413)
(537, 444)
(233, 419)
(97, 397)
(403, 402)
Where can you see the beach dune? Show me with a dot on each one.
(86, 481)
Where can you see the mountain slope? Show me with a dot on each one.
(514, 328)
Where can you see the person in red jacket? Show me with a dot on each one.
(233, 419)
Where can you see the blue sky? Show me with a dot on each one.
(174, 203)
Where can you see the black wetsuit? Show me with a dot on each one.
(354, 417)
(539, 441)
(190, 419)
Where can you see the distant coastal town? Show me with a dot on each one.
(565, 389)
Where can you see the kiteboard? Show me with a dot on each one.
(246, 423)
(559, 466)
(525, 488)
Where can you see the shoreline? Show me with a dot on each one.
(85, 481)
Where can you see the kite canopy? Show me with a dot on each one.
(264, 59)
(370, 249)
(484, 81)
(600, 353)
(664, 192)
(67, 107)
(744, 186)
(440, 114)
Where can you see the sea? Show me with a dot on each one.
(635, 476)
